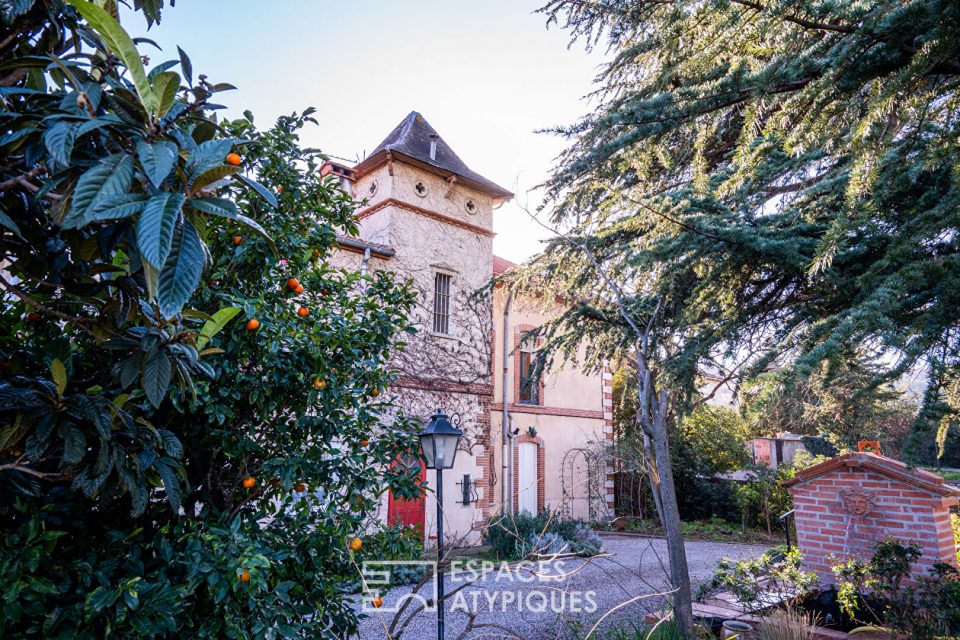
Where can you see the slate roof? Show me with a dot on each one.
(412, 139)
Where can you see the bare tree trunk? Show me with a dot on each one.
(670, 518)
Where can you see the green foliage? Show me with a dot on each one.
(516, 537)
(760, 582)
(762, 498)
(763, 179)
(927, 610)
(134, 402)
(714, 438)
(839, 400)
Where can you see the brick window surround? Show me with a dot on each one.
(518, 333)
(537, 440)
(845, 505)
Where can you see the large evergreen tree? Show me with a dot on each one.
(782, 177)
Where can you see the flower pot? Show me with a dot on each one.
(735, 629)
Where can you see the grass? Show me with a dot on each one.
(950, 476)
(712, 530)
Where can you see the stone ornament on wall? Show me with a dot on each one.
(858, 502)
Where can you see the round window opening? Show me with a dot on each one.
(372, 189)
(421, 189)
(471, 207)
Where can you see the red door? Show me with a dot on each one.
(408, 512)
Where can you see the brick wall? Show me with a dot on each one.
(844, 506)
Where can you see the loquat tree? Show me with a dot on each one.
(192, 429)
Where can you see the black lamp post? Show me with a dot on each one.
(438, 442)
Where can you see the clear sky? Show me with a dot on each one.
(485, 74)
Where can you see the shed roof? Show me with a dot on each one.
(411, 141)
(883, 465)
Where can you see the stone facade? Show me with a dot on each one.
(844, 506)
(425, 213)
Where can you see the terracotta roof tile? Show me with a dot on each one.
(502, 265)
(880, 464)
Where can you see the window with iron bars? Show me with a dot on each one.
(441, 303)
(529, 385)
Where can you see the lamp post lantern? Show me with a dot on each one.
(438, 442)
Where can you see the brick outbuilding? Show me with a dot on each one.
(847, 504)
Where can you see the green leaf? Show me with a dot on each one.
(156, 226)
(185, 66)
(74, 444)
(119, 42)
(180, 275)
(59, 373)
(208, 155)
(260, 189)
(99, 599)
(171, 484)
(156, 377)
(59, 142)
(165, 87)
(216, 324)
(7, 222)
(227, 209)
(110, 177)
(117, 207)
(212, 175)
(157, 159)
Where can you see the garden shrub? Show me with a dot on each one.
(927, 610)
(757, 582)
(170, 465)
(511, 536)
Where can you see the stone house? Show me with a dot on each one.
(428, 217)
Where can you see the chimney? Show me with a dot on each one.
(433, 146)
(345, 175)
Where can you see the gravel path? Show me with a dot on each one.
(526, 603)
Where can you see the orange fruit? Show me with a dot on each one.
(234, 159)
(292, 284)
(374, 392)
(279, 189)
(237, 240)
(303, 312)
(359, 499)
(249, 482)
(324, 291)
(299, 487)
(377, 602)
(244, 577)
(316, 253)
(299, 289)
(33, 316)
(356, 543)
(364, 443)
(253, 324)
(320, 384)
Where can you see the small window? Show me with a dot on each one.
(441, 303)
(529, 385)
(471, 207)
(420, 189)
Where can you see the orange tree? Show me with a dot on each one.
(168, 466)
